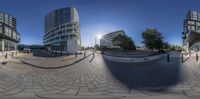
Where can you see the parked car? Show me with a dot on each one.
(27, 50)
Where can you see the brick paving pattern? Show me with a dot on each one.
(99, 77)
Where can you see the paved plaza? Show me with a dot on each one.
(95, 77)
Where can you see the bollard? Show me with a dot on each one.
(168, 57)
(6, 56)
(93, 54)
(12, 54)
(182, 58)
(197, 57)
(84, 54)
(76, 55)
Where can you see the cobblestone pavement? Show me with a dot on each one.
(99, 78)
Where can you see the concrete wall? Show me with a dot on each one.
(72, 46)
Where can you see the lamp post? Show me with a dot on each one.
(98, 36)
(95, 43)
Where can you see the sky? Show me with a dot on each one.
(103, 16)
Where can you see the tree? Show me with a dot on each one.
(125, 42)
(152, 39)
(166, 45)
(97, 46)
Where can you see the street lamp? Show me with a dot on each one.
(98, 36)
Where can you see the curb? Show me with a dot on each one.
(132, 60)
(56, 67)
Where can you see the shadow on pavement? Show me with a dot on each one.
(91, 59)
(185, 58)
(157, 75)
(42, 53)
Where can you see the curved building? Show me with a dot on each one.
(191, 32)
(9, 37)
(62, 31)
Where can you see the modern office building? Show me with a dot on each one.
(9, 37)
(62, 31)
(106, 40)
(191, 32)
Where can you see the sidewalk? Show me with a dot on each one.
(54, 63)
(9, 58)
(2, 59)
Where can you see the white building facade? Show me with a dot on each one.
(106, 40)
(62, 31)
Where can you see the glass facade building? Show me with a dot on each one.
(62, 31)
(9, 37)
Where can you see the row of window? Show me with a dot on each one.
(10, 33)
(50, 28)
(61, 33)
(6, 19)
(62, 38)
(197, 28)
(8, 45)
(193, 23)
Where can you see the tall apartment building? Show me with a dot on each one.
(106, 40)
(191, 31)
(62, 31)
(9, 37)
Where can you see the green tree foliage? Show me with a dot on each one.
(125, 42)
(152, 39)
(166, 45)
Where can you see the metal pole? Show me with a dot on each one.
(182, 57)
(93, 54)
(84, 54)
(6, 56)
(76, 55)
(168, 57)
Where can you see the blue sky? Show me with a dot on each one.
(103, 16)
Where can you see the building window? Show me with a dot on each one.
(1, 29)
(14, 36)
(1, 17)
(198, 15)
(197, 23)
(194, 15)
(8, 31)
(6, 18)
(191, 22)
(18, 37)
(10, 21)
(191, 28)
